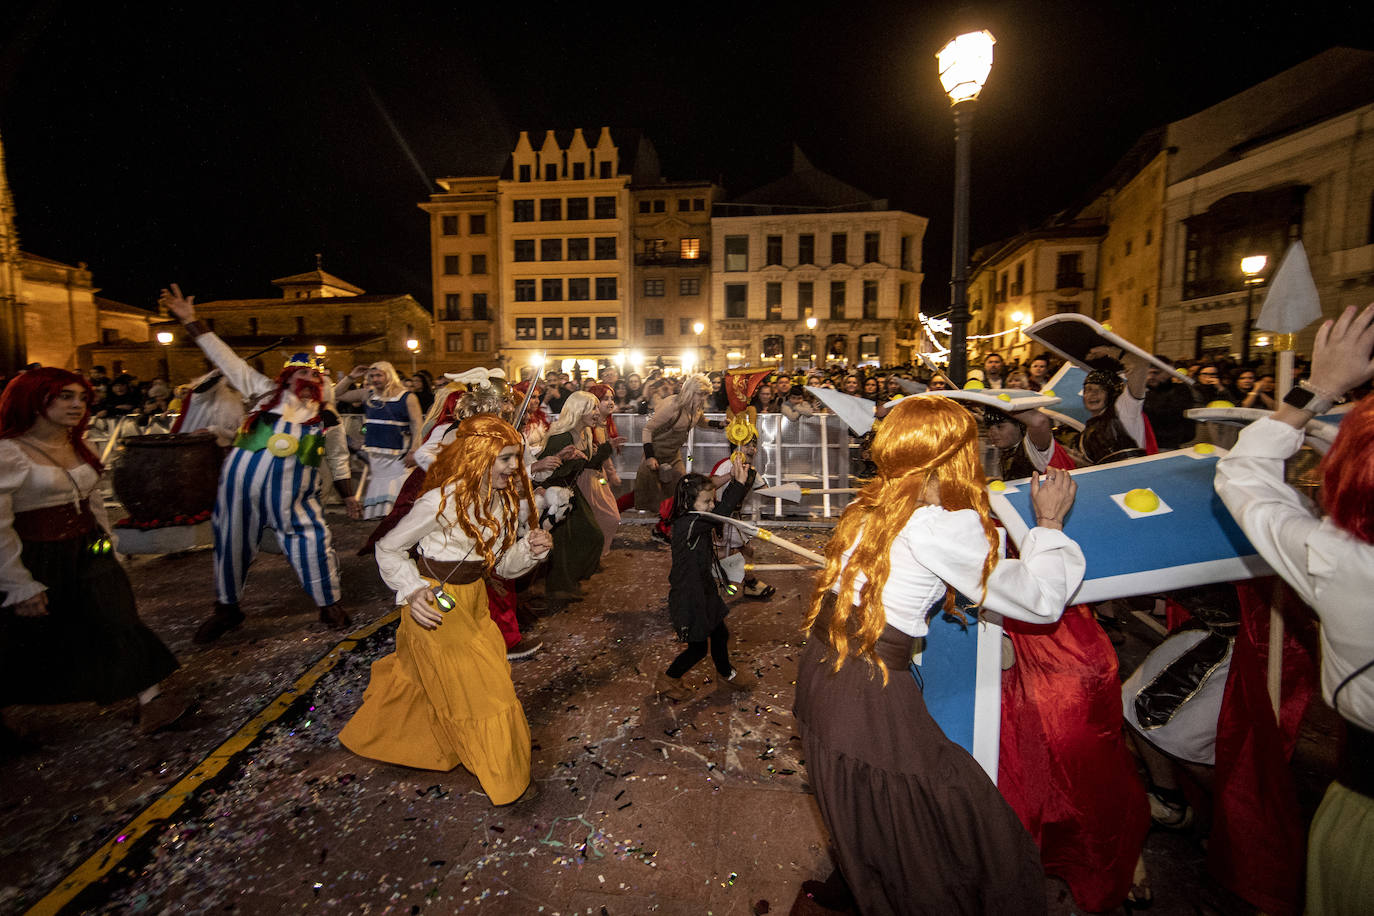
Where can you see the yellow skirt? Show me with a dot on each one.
(445, 698)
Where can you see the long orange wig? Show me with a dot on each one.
(923, 439)
(462, 470)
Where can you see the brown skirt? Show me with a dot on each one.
(917, 825)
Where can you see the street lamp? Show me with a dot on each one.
(321, 349)
(164, 337)
(811, 354)
(697, 328)
(964, 66)
(413, 346)
(1252, 267)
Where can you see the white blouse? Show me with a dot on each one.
(440, 540)
(937, 547)
(26, 484)
(1330, 570)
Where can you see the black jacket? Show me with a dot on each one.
(694, 603)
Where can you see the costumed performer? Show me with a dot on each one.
(391, 432)
(577, 540)
(1063, 764)
(69, 627)
(445, 696)
(917, 825)
(598, 488)
(664, 435)
(695, 607)
(1329, 562)
(1118, 427)
(729, 539)
(272, 477)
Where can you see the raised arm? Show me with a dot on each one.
(251, 383)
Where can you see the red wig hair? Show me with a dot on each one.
(29, 394)
(1348, 474)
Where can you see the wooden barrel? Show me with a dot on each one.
(160, 477)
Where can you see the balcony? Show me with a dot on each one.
(670, 259)
(1068, 281)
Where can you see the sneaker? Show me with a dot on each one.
(335, 617)
(760, 591)
(225, 617)
(1170, 815)
(739, 680)
(671, 687)
(526, 647)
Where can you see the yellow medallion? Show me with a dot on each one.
(283, 445)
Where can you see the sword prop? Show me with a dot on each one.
(736, 568)
(764, 534)
(794, 492)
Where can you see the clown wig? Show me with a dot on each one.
(924, 438)
(1348, 473)
(461, 472)
(29, 394)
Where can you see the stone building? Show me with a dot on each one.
(466, 269)
(670, 296)
(810, 246)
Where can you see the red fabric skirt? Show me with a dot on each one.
(1064, 766)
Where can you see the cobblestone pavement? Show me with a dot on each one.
(646, 806)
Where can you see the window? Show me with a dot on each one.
(524, 249)
(253, 326)
(838, 243)
(871, 240)
(1128, 246)
(803, 346)
(604, 248)
(552, 328)
(868, 347)
(698, 203)
(579, 249)
(772, 347)
(737, 252)
(870, 299)
(579, 289)
(643, 206)
(348, 324)
(837, 346)
(653, 288)
(653, 327)
(1104, 309)
(1068, 273)
(607, 328)
(453, 343)
(477, 224)
(806, 294)
(605, 289)
(524, 173)
(905, 252)
(772, 299)
(479, 264)
(1065, 308)
(604, 171)
(1019, 287)
(806, 249)
(605, 206)
(689, 286)
(660, 206)
(550, 172)
(683, 204)
(551, 289)
(577, 208)
(1149, 236)
(1145, 301)
(772, 253)
(524, 290)
(522, 211)
(453, 307)
(550, 249)
(580, 328)
(448, 225)
(524, 329)
(653, 250)
(550, 209)
(736, 300)
(684, 325)
(579, 172)
(904, 311)
(451, 264)
(836, 298)
(689, 249)
(479, 307)
(481, 341)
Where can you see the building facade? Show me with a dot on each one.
(466, 270)
(670, 294)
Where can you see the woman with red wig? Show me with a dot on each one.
(69, 628)
(1329, 562)
(918, 826)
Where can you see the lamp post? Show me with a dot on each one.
(165, 338)
(413, 346)
(811, 328)
(1251, 267)
(964, 66)
(697, 329)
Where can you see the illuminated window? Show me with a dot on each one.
(524, 329)
(553, 328)
(689, 249)
(579, 328)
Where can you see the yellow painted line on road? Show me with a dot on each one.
(166, 805)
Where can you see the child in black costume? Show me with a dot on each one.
(694, 603)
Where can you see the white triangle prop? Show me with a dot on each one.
(856, 412)
(789, 491)
(1290, 302)
(734, 567)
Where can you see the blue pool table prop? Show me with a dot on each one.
(1319, 433)
(960, 668)
(1195, 542)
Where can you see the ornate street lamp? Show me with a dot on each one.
(811, 326)
(964, 67)
(413, 346)
(697, 329)
(1252, 267)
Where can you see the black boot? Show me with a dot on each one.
(334, 616)
(226, 617)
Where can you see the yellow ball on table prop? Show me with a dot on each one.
(997, 486)
(1141, 500)
(973, 385)
(1204, 448)
(1216, 404)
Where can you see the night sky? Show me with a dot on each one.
(223, 149)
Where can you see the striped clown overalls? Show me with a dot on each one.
(272, 479)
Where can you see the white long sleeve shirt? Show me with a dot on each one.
(1329, 569)
(937, 547)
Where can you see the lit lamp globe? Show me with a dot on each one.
(1253, 265)
(698, 328)
(965, 64)
(321, 349)
(811, 323)
(164, 337)
(412, 344)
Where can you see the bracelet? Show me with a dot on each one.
(195, 327)
(1047, 518)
